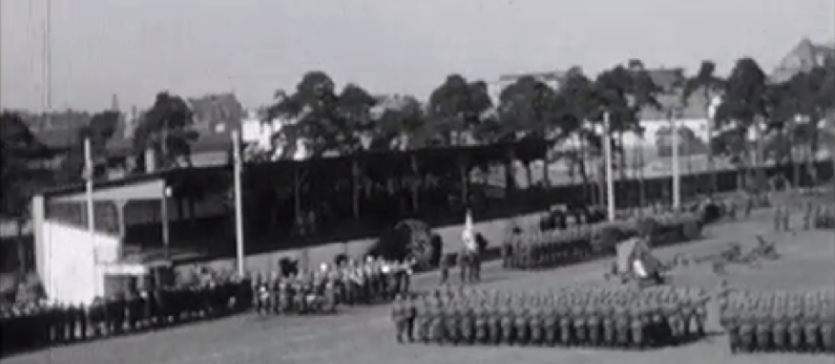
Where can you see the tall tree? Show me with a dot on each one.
(399, 125)
(528, 107)
(576, 101)
(319, 118)
(709, 86)
(167, 130)
(18, 149)
(745, 108)
(457, 107)
(99, 129)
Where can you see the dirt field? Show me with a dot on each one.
(364, 335)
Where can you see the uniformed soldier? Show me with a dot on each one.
(507, 324)
(608, 325)
(481, 324)
(827, 329)
(520, 325)
(622, 325)
(494, 322)
(808, 215)
(746, 329)
(786, 218)
(779, 329)
(398, 318)
(550, 324)
(778, 218)
(637, 324)
(795, 328)
(466, 322)
(763, 330)
(436, 323)
(594, 325)
(535, 324)
(811, 327)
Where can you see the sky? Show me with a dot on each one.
(136, 48)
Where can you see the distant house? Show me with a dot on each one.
(802, 58)
(669, 80)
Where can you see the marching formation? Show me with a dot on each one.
(780, 321)
(322, 291)
(577, 316)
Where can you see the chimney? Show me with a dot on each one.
(150, 160)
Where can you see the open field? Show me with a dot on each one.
(364, 335)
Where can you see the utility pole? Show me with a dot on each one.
(239, 217)
(607, 150)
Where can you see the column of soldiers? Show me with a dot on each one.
(814, 217)
(322, 291)
(582, 316)
(133, 311)
(544, 249)
(779, 321)
(541, 249)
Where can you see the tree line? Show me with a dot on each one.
(329, 121)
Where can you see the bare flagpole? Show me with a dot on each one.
(607, 150)
(239, 219)
(676, 172)
(91, 216)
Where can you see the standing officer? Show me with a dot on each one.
(398, 317)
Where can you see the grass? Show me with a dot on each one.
(364, 335)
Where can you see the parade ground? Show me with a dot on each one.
(365, 335)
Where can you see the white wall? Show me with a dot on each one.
(70, 272)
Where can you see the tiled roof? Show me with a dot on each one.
(805, 56)
(667, 79)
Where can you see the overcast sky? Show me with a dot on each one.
(135, 48)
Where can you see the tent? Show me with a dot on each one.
(629, 250)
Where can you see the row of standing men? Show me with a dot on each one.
(577, 316)
(148, 308)
(779, 321)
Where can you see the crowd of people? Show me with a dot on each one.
(347, 283)
(576, 316)
(779, 321)
(40, 324)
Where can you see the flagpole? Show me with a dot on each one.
(607, 150)
(239, 220)
(676, 172)
(88, 196)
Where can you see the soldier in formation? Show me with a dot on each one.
(779, 321)
(578, 316)
(38, 325)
